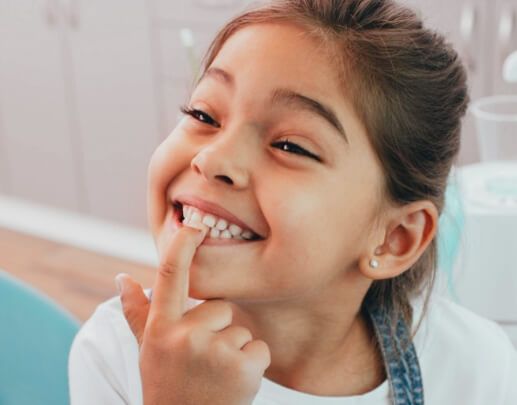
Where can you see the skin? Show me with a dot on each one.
(290, 303)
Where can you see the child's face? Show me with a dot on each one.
(313, 214)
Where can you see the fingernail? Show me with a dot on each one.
(119, 282)
(202, 233)
(195, 222)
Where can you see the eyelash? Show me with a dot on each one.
(192, 112)
(301, 151)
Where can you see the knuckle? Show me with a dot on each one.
(187, 338)
(261, 352)
(219, 348)
(222, 308)
(245, 333)
(261, 345)
(264, 350)
(181, 338)
(213, 309)
(166, 268)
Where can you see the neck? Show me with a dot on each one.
(318, 345)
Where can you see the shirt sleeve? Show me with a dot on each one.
(103, 360)
(510, 378)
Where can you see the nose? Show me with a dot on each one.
(227, 158)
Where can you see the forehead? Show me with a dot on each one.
(281, 54)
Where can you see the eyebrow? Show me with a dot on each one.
(285, 96)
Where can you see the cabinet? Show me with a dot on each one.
(504, 41)
(88, 89)
(115, 105)
(204, 18)
(37, 149)
(78, 106)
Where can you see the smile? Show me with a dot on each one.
(220, 230)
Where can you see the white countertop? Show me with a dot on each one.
(78, 230)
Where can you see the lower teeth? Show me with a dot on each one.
(214, 233)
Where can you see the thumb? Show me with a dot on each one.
(134, 304)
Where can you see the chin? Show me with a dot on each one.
(201, 286)
(204, 288)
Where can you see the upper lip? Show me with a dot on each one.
(211, 208)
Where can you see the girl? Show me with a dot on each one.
(298, 199)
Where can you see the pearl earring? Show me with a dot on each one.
(374, 263)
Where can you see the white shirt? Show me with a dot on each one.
(464, 359)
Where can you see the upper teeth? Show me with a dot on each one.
(220, 228)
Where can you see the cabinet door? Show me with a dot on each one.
(109, 44)
(178, 75)
(504, 42)
(467, 24)
(37, 144)
(4, 167)
(204, 18)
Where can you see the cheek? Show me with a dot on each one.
(167, 162)
(300, 241)
(313, 243)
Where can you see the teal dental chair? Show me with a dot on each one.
(35, 338)
(450, 227)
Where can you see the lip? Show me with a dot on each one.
(212, 208)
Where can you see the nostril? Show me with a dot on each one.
(226, 179)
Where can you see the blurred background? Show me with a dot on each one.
(88, 89)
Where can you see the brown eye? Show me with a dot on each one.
(199, 116)
(296, 149)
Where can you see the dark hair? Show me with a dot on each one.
(409, 90)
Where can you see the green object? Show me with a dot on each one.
(450, 227)
(502, 186)
(35, 339)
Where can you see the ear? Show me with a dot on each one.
(408, 232)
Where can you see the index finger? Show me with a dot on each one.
(170, 291)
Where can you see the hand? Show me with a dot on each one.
(195, 357)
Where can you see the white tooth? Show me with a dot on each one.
(209, 220)
(194, 221)
(226, 234)
(214, 233)
(221, 224)
(247, 235)
(235, 229)
(195, 217)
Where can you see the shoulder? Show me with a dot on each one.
(454, 322)
(462, 352)
(106, 324)
(103, 360)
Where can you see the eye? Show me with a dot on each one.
(199, 115)
(296, 149)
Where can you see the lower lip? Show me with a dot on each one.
(208, 241)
